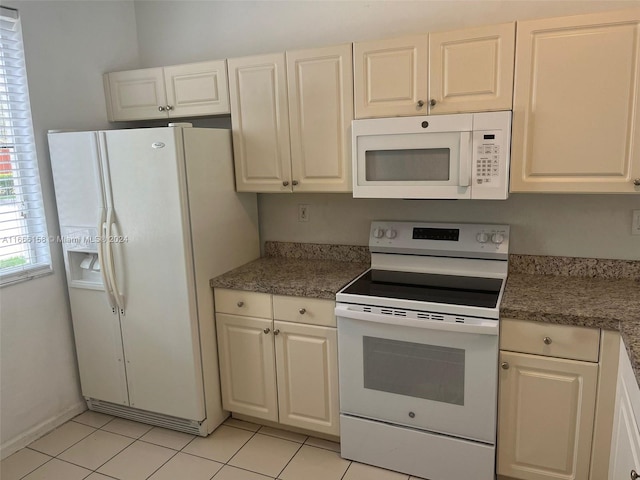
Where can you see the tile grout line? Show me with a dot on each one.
(290, 460)
(168, 459)
(56, 456)
(181, 450)
(30, 472)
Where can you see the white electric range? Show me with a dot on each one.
(418, 350)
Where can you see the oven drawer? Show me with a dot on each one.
(538, 338)
(239, 302)
(312, 311)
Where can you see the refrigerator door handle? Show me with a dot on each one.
(110, 261)
(101, 259)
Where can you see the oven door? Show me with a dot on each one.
(425, 374)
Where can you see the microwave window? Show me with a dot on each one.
(430, 164)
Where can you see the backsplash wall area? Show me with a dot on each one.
(594, 226)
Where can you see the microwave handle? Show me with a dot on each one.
(466, 155)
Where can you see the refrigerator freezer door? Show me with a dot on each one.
(98, 346)
(75, 161)
(154, 270)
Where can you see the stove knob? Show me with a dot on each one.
(482, 237)
(391, 233)
(378, 232)
(497, 238)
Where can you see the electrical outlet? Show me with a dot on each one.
(635, 224)
(303, 213)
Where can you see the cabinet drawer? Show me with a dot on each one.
(563, 341)
(312, 311)
(239, 302)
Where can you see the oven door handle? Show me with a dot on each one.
(484, 327)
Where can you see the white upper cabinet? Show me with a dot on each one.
(260, 123)
(291, 117)
(468, 70)
(576, 125)
(471, 70)
(320, 88)
(135, 94)
(391, 77)
(189, 90)
(197, 89)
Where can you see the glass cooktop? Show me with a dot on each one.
(428, 287)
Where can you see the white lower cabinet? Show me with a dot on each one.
(546, 403)
(247, 367)
(276, 369)
(625, 441)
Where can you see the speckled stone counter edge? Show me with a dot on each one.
(318, 251)
(575, 267)
(530, 264)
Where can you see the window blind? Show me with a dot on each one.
(24, 243)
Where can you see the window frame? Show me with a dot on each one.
(23, 225)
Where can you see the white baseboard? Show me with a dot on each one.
(11, 446)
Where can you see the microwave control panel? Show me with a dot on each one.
(490, 152)
(487, 147)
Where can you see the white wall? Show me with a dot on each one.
(68, 45)
(180, 31)
(172, 32)
(597, 226)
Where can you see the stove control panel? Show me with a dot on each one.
(440, 239)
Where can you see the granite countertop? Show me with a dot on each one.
(581, 292)
(298, 277)
(299, 270)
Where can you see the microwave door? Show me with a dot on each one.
(413, 165)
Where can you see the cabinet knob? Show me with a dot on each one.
(240, 304)
(285, 183)
(169, 108)
(276, 331)
(302, 311)
(505, 365)
(266, 330)
(420, 104)
(432, 102)
(634, 475)
(294, 183)
(161, 108)
(547, 340)
(636, 182)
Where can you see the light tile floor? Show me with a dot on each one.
(94, 446)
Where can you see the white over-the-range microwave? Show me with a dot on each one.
(461, 156)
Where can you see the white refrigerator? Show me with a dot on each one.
(147, 216)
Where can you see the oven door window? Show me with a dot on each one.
(416, 370)
(409, 159)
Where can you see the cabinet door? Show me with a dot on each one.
(471, 70)
(545, 417)
(307, 364)
(625, 441)
(260, 123)
(135, 94)
(247, 368)
(197, 89)
(320, 87)
(390, 77)
(576, 121)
